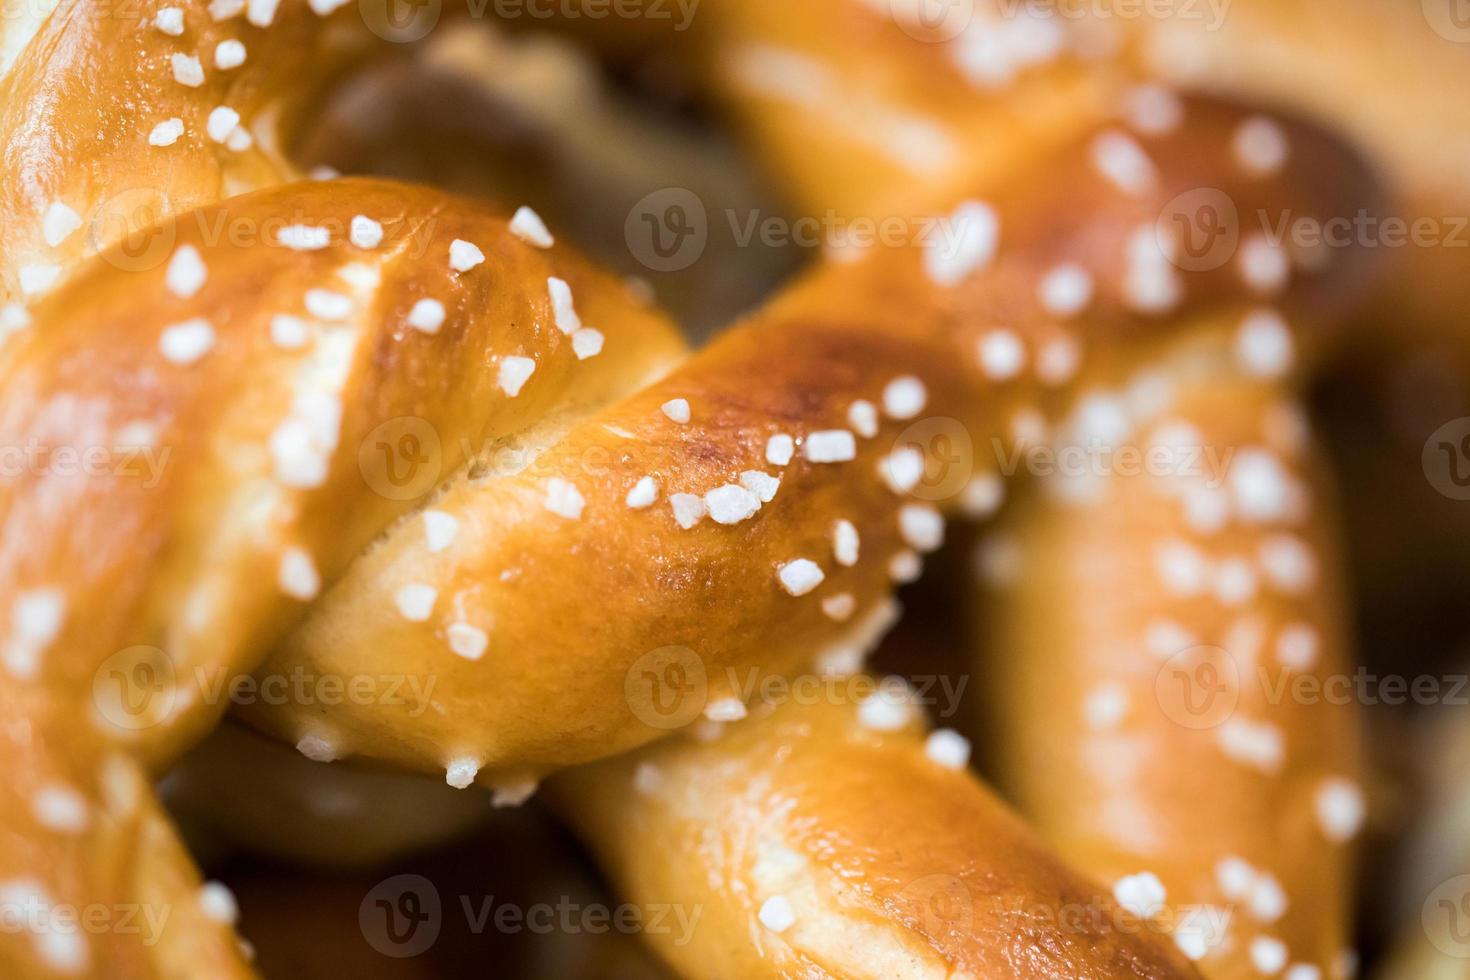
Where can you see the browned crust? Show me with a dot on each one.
(893, 864)
(1171, 697)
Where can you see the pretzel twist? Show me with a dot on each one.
(930, 876)
(1217, 645)
(527, 594)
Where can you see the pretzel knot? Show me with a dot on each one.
(365, 433)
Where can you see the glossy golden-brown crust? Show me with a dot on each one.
(245, 460)
(858, 106)
(529, 625)
(819, 838)
(1317, 58)
(1193, 720)
(103, 159)
(575, 609)
(528, 608)
(94, 881)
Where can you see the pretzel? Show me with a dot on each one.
(1324, 815)
(930, 876)
(95, 881)
(1217, 646)
(1309, 55)
(899, 328)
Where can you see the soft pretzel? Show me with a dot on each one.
(826, 836)
(1218, 646)
(255, 510)
(1054, 799)
(552, 575)
(195, 107)
(1317, 57)
(849, 334)
(94, 880)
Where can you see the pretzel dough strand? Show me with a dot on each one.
(1215, 645)
(95, 880)
(268, 396)
(157, 117)
(827, 838)
(229, 555)
(751, 582)
(1316, 810)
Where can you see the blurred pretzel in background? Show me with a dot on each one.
(415, 436)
